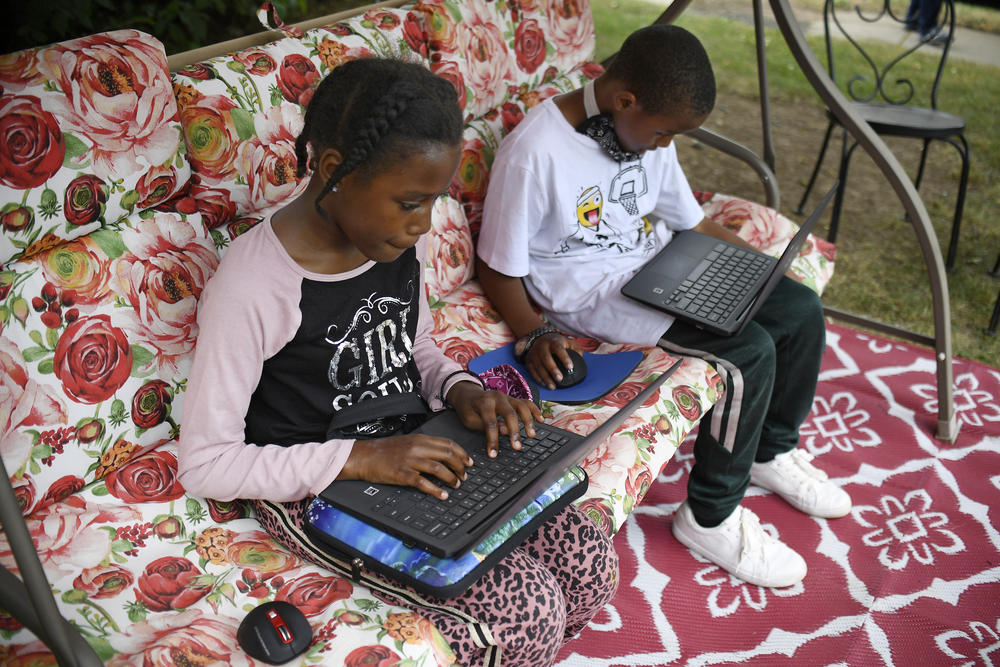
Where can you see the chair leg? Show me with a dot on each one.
(923, 161)
(819, 162)
(963, 151)
(994, 319)
(838, 200)
(991, 329)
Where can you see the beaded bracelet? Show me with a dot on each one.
(524, 343)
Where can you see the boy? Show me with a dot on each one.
(565, 226)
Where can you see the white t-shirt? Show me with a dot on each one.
(576, 224)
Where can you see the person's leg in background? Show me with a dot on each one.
(912, 16)
(922, 17)
(927, 24)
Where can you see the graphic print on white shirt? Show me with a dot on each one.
(629, 184)
(593, 227)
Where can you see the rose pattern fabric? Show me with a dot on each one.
(297, 77)
(242, 112)
(33, 148)
(92, 359)
(127, 67)
(450, 253)
(83, 123)
(159, 602)
(149, 477)
(169, 583)
(151, 404)
(160, 273)
(84, 199)
(97, 338)
(491, 51)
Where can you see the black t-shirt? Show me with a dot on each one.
(355, 343)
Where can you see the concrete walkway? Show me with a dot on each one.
(973, 45)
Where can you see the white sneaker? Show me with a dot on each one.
(804, 486)
(740, 546)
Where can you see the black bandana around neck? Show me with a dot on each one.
(601, 128)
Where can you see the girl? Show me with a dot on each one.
(322, 307)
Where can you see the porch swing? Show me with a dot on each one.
(32, 601)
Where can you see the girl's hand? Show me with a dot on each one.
(405, 459)
(541, 358)
(479, 409)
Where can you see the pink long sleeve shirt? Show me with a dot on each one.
(280, 349)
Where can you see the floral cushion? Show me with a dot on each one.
(482, 136)
(97, 340)
(490, 50)
(450, 254)
(242, 112)
(90, 136)
(166, 578)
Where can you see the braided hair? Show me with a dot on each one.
(667, 69)
(376, 112)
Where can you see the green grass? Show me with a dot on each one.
(880, 270)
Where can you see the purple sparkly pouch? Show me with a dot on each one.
(506, 379)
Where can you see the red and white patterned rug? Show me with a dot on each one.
(910, 577)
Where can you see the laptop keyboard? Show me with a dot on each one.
(719, 282)
(487, 480)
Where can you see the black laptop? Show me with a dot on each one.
(713, 284)
(496, 489)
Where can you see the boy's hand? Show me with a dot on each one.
(480, 410)
(405, 459)
(541, 358)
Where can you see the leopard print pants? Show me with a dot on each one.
(532, 601)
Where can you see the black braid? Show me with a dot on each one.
(392, 104)
(374, 111)
(301, 149)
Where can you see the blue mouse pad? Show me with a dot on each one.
(604, 373)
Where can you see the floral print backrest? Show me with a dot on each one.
(242, 112)
(450, 252)
(90, 136)
(492, 50)
(97, 337)
(483, 135)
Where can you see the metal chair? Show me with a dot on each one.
(886, 99)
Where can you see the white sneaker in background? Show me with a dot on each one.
(740, 546)
(803, 486)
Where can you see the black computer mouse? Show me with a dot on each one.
(274, 632)
(574, 376)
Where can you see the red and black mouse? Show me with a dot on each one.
(274, 632)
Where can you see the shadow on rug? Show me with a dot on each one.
(910, 577)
